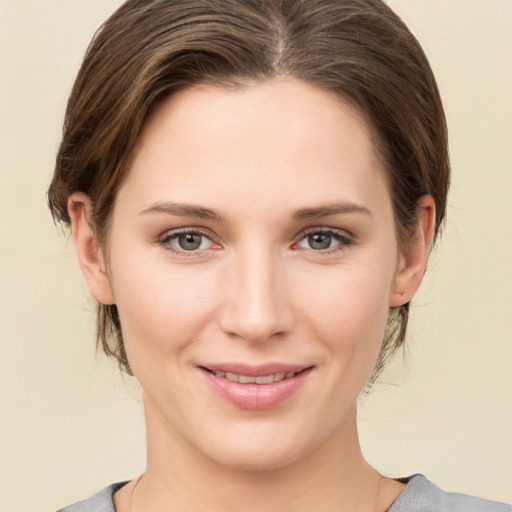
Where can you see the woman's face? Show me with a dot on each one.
(253, 259)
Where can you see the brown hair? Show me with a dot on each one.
(358, 49)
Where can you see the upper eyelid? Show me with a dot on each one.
(323, 229)
(169, 233)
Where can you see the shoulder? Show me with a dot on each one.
(100, 502)
(421, 495)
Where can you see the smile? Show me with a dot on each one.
(256, 388)
(251, 379)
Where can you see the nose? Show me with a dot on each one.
(256, 306)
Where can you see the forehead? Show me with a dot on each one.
(260, 136)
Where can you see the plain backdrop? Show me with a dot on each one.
(70, 425)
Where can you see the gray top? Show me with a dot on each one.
(420, 495)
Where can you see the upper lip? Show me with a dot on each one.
(255, 370)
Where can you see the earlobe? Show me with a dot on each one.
(413, 262)
(88, 249)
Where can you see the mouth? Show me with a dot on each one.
(256, 387)
(253, 379)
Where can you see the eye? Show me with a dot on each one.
(187, 241)
(321, 240)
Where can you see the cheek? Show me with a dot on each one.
(352, 301)
(161, 307)
(348, 312)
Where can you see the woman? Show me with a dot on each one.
(253, 190)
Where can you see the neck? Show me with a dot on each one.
(334, 476)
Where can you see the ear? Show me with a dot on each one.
(412, 263)
(88, 249)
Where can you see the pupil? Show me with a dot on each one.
(189, 241)
(319, 241)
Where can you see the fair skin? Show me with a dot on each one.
(254, 234)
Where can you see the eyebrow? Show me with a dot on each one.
(183, 210)
(330, 209)
(199, 212)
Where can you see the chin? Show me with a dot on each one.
(257, 460)
(265, 450)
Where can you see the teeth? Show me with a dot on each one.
(264, 379)
(248, 379)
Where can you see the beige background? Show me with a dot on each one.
(70, 425)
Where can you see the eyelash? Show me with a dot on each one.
(167, 238)
(342, 238)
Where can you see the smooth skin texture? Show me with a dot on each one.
(255, 226)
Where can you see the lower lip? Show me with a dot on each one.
(257, 397)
